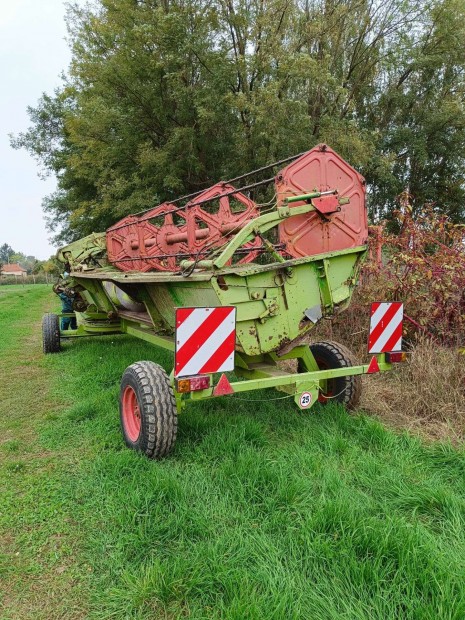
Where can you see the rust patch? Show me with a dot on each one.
(287, 345)
(222, 283)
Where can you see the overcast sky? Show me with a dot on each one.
(33, 53)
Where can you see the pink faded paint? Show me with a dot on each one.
(319, 170)
(223, 387)
(161, 238)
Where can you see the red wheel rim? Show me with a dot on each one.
(131, 414)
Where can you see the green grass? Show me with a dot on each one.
(261, 512)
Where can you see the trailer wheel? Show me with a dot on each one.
(344, 390)
(148, 414)
(51, 333)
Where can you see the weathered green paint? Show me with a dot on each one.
(271, 303)
(306, 197)
(158, 277)
(151, 307)
(90, 330)
(325, 289)
(90, 324)
(78, 253)
(259, 225)
(274, 304)
(94, 293)
(258, 371)
(271, 300)
(259, 377)
(165, 342)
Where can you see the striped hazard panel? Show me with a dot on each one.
(386, 327)
(205, 340)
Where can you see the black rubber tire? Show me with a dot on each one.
(51, 333)
(344, 390)
(157, 408)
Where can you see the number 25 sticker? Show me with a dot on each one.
(305, 400)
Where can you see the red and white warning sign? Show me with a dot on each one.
(205, 340)
(386, 327)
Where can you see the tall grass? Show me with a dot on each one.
(425, 395)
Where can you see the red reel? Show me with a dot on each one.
(166, 235)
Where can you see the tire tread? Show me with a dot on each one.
(350, 394)
(50, 333)
(158, 409)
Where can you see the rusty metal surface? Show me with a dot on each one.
(164, 236)
(141, 278)
(205, 276)
(161, 238)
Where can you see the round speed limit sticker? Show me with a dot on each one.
(305, 400)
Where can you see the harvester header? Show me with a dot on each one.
(230, 280)
(162, 238)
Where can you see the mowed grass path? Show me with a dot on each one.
(262, 512)
(40, 576)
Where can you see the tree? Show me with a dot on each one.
(422, 117)
(17, 257)
(27, 262)
(38, 267)
(164, 98)
(51, 266)
(6, 252)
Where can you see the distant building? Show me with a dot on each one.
(13, 269)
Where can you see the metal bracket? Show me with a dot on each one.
(314, 313)
(272, 309)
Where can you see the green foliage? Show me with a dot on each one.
(6, 252)
(166, 97)
(421, 115)
(52, 266)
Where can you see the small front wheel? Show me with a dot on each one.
(149, 418)
(51, 333)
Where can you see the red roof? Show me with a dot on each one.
(13, 268)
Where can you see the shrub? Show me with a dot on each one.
(422, 264)
(35, 279)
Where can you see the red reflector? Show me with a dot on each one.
(199, 383)
(396, 356)
(373, 367)
(223, 387)
(192, 384)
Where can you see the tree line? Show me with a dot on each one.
(31, 264)
(166, 97)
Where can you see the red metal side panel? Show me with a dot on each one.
(322, 169)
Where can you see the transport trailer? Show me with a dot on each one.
(229, 285)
